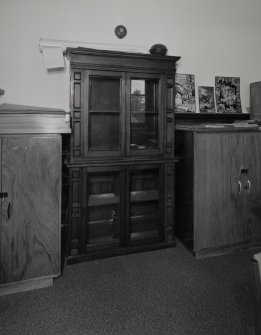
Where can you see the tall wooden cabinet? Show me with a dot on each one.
(122, 152)
(30, 192)
(218, 181)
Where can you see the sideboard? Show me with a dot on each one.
(218, 181)
(30, 192)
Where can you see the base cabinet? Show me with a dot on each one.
(119, 209)
(217, 184)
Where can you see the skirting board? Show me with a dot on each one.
(26, 285)
(224, 250)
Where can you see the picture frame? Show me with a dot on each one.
(227, 91)
(185, 93)
(206, 99)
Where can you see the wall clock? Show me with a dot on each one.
(120, 31)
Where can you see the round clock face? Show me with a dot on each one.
(120, 31)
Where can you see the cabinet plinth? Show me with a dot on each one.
(122, 153)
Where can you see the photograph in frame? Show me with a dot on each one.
(228, 94)
(185, 93)
(206, 99)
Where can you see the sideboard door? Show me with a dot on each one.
(30, 229)
(219, 197)
(252, 185)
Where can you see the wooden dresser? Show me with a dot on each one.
(30, 208)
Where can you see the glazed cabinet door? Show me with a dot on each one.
(105, 113)
(146, 105)
(218, 190)
(145, 199)
(98, 114)
(30, 216)
(102, 203)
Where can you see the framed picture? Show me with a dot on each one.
(228, 94)
(185, 93)
(206, 99)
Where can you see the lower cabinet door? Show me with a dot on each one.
(252, 186)
(30, 216)
(115, 207)
(102, 200)
(145, 195)
(218, 191)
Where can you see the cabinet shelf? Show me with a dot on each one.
(142, 235)
(104, 111)
(144, 196)
(101, 241)
(103, 199)
(145, 112)
(100, 222)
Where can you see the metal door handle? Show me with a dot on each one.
(248, 187)
(240, 187)
(3, 195)
(8, 210)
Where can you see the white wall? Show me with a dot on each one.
(212, 37)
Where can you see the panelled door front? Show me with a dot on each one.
(30, 231)
(219, 196)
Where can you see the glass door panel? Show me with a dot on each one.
(104, 132)
(104, 94)
(103, 208)
(105, 114)
(144, 205)
(144, 114)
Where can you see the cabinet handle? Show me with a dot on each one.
(240, 187)
(3, 195)
(8, 210)
(248, 187)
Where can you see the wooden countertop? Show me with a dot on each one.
(219, 127)
(20, 119)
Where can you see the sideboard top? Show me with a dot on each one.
(21, 109)
(219, 127)
(20, 119)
